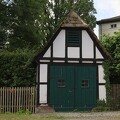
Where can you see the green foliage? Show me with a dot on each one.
(101, 106)
(61, 8)
(112, 44)
(112, 68)
(101, 103)
(2, 38)
(3, 24)
(86, 10)
(30, 23)
(35, 117)
(23, 112)
(24, 30)
(115, 103)
(106, 66)
(16, 68)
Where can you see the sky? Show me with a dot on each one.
(106, 9)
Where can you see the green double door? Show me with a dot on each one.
(72, 87)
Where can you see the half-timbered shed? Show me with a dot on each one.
(70, 75)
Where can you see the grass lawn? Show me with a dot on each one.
(28, 117)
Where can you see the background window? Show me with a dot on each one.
(113, 25)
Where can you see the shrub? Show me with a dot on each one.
(101, 106)
(115, 103)
(101, 103)
(16, 68)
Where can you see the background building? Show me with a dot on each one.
(109, 26)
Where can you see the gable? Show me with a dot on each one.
(87, 45)
(98, 54)
(47, 53)
(73, 41)
(59, 45)
(84, 49)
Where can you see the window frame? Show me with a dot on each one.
(112, 26)
(85, 83)
(74, 44)
(61, 83)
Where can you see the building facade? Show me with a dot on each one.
(109, 26)
(69, 69)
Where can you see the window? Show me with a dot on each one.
(85, 83)
(73, 37)
(113, 25)
(61, 83)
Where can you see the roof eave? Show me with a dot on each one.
(107, 21)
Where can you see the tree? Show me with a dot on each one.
(85, 8)
(112, 44)
(3, 24)
(24, 30)
(2, 38)
(60, 8)
(32, 22)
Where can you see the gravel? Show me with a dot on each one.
(82, 116)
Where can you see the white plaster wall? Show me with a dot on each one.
(73, 61)
(44, 60)
(102, 92)
(98, 54)
(62, 61)
(87, 61)
(47, 54)
(101, 74)
(87, 45)
(43, 94)
(59, 45)
(99, 62)
(43, 72)
(73, 52)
